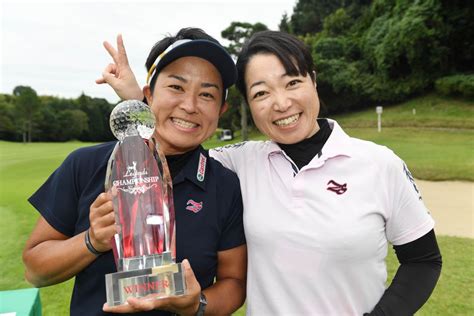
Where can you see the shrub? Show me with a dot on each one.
(456, 85)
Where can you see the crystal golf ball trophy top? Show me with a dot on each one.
(140, 183)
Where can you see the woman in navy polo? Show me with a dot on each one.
(187, 95)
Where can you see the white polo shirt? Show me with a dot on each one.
(317, 237)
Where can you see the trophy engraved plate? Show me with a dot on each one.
(140, 183)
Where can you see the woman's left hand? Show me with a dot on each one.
(183, 305)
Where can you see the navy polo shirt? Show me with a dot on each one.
(208, 208)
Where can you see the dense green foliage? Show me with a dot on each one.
(309, 15)
(457, 85)
(28, 117)
(238, 32)
(383, 51)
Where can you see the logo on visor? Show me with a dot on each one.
(336, 187)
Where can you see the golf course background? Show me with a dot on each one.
(437, 143)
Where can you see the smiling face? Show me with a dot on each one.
(186, 101)
(283, 107)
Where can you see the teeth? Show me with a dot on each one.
(288, 120)
(183, 123)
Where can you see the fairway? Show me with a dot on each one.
(22, 169)
(431, 154)
(429, 111)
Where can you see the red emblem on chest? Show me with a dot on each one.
(336, 187)
(193, 206)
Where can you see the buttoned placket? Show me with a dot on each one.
(295, 183)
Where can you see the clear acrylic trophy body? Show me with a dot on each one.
(140, 183)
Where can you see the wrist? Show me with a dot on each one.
(90, 246)
(135, 95)
(202, 304)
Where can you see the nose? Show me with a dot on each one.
(281, 102)
(189, 104)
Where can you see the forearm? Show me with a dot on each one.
(409, 290)
(420, 267)
(225, 296)
(55, 261)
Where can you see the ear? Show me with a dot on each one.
(314, 77)
(148, 95)
(223, 109)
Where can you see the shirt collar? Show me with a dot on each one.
(196, 169)
(338, 143)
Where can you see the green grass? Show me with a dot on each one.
(437, 143)
(431, 111)
(431, 153)
(23, 168)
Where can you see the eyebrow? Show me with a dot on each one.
(178, 78)
(256, 84)
(209, 85)
(263, 81)
(204, 84)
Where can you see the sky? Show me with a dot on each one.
(55, 46)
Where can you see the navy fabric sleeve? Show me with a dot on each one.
(420, 267)
(233, 227)
(58, 197)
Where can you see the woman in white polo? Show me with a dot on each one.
(320, 207)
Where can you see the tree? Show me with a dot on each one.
(7, 118)
(27, 104)
(308, 15)
(98, 113)
(458, 17)
(285, 25)
(48, 126)
(72, 123)
(337, 23)
(387, 50)
(403, 46)
(237, 33)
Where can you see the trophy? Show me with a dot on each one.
(140, 183)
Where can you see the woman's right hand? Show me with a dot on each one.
(102, 221)
(119, 75)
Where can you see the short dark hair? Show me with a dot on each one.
(290, 50)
